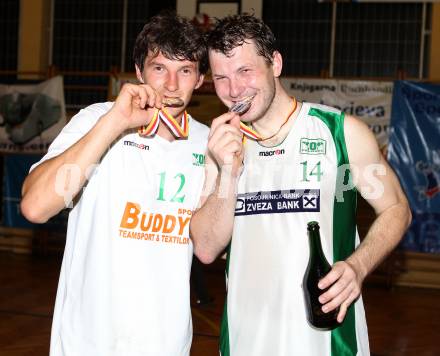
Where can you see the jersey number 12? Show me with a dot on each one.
(177, 197)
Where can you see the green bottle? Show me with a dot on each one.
(317, 268)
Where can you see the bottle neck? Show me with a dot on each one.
(315, 245)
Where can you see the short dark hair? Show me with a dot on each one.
(173, 36)
(232, 31)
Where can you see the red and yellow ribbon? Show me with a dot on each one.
(180, 131)
(249, 132)
(254, 135)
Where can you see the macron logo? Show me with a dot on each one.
(271, 153)
(137, 145)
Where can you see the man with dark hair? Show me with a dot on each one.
(134, 171)
(285, 164)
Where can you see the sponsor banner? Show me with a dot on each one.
(278, 201)
(31, 116)
(370, 101)
(414, 153)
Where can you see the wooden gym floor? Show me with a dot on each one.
(401, 321)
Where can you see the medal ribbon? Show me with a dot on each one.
(169, 120)
(254, 135)
(249, 132)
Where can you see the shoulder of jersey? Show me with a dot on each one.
(87, 117)
(98, 108)
(322, 107)
(95, 111)
(200, 130)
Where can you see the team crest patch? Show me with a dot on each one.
(198, 159)
(278, 201)
(313, 146)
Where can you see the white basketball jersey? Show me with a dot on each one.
(124, 282)
(280, 191)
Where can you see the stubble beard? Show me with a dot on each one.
(268, 101)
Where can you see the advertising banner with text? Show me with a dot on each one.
(368, 100)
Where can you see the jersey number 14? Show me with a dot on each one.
(308, 174)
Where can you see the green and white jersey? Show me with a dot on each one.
(280, 191)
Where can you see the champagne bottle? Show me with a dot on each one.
(317, 268)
